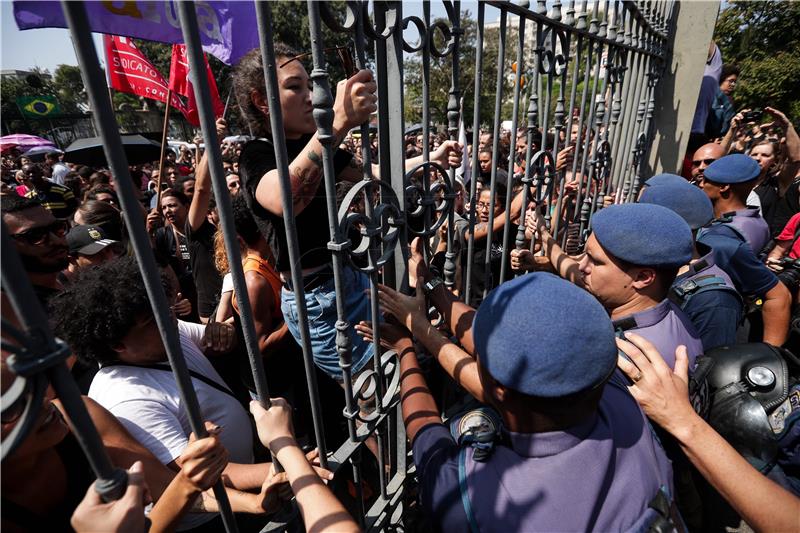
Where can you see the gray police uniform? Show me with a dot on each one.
(607, 472)
(705, 292)
(667, 327)
(747, 224)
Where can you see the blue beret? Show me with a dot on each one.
(734, 168)
(567, 348)
(663, 179)
(644, 235)
(690, 202)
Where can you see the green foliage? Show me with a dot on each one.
(14, 87)
(441, 72)
(762, 38)
(68, 86)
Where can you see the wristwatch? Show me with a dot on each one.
(431, 285)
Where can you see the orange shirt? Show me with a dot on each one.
(253, 263)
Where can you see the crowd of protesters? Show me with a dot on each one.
(561, 369)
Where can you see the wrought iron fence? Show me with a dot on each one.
(591, 68)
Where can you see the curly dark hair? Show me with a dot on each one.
(248, 76)
(729, 69)
(95, 312)
(243, 220)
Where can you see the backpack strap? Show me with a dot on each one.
(680, 293)
(208, 381)
(462, 485)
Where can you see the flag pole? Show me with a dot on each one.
(227, 101)
(163, 150)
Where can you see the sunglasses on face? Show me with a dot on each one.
(38, 235)
(707, 162)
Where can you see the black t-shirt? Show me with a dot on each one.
(776, 209)
(258, 158)
(207, 280)
(175, 253)
(498, 249)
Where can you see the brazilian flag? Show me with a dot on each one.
(38, 106)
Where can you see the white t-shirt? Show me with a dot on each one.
(60, 170)
(227, 283)
(147, 403)
(753, 200)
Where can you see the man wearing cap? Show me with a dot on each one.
(631, 261)
(728, 182)
(89, 245)
(736, 236)
(629, 264)
(572, 451)
(702, 289)
(662, 179)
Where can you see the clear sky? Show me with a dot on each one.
(50, 47)
(45, 48)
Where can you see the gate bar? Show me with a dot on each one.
(75, 14)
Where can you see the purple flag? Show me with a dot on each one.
(227, 29)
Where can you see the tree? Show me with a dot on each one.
(441, 72)
(35, 84)
(762, 38)
(68, 85)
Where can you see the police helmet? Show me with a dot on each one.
(749, 389)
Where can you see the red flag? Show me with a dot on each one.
(179, 83)
(129, 71)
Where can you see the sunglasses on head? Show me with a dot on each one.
(698, 162)
(38, 235)
(345, 56)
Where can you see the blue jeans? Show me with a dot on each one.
(321, 312)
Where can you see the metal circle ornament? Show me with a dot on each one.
(540, 176)
(377, 232)
(438, 200)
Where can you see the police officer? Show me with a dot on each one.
(737, 235)
(629, 264)
(661, 179)
(570, 451)
(728, 182)
(702, 290)
(631, 260)
(665, 179)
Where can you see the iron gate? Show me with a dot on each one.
(590, 65)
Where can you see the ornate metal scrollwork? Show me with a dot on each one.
(379, 232)
(419, 201)
(365, 388)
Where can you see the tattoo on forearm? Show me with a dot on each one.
(305, 182)
(199, 504)
(315, 158)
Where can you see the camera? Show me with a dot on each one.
(753, 115)
(790, 275)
